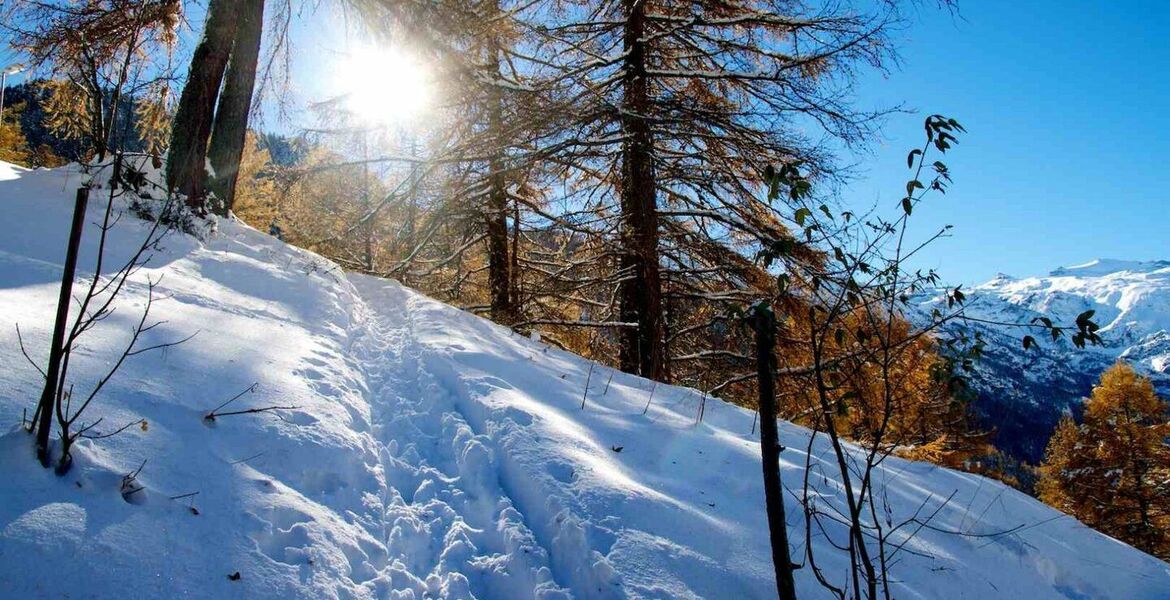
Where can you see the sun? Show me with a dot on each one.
(384, 86)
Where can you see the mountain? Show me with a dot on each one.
(419, 451)
(1022, 393)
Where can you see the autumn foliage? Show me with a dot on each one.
(1113, 470)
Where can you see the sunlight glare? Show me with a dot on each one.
(384, 86)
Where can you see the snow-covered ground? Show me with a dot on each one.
(430, 454)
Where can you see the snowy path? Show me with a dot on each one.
(427, 454)
(448, 523)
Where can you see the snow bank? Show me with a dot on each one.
(430, 454)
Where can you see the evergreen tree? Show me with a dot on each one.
(100, 54)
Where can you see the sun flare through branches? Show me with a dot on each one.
(384, 86)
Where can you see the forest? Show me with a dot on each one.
(658, 186)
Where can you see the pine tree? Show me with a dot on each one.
(1113, 471)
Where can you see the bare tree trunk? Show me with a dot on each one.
(499, 267)
(516, 260)
(235, 103)
(367, 206)
(56, 350)
(187, 158)
(764, 322)
(641, 293)
(412, 204)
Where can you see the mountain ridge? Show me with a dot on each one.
(1022, 393)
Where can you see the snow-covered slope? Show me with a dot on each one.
(430, 454)
(1024, 393)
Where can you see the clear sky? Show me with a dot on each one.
(1067, 104)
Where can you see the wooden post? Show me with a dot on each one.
(764, 323)
(49, 394)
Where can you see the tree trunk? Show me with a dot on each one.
(368, 230)
(48, 401)
(516, 302)
(235, 103)
(499, 266)
(640, 296)
(764, 322)
(186, 160)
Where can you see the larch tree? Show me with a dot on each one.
(497, 101)
(694, 99)
(215, 104)
(187, 158)
(235, 102)
(1113, 471)
(100, 54)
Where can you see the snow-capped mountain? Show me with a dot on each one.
(1023, 393)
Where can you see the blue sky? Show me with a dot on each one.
(1067, 105)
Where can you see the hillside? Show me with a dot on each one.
(1023, 394)
(429, 453)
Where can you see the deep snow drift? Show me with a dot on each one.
(431, 454)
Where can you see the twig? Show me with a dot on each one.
(135, 472)
(242, 460)
(20, 340)
(212, 417)
(130, 485)
(651, 398)
(702, 408)
(250, 389)
(587, 379)
(101, 436)
(607, 382)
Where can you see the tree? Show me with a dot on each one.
(215, 105)
(499, 105)
(764, 323)
(694, 99)
(13, 145)
(187, 158)
(858, 371)
(101, 51)
(1112, 472)
(235, 103)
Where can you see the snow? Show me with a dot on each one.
(1131, 300)
(1109, 266)
(431, 454)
